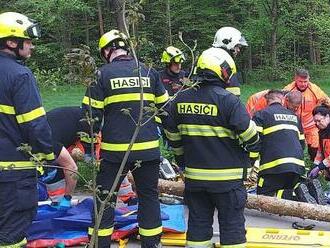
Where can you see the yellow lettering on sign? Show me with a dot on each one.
(129, 82)
(197, 109)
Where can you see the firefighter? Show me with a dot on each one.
(172, 76)
(210, 132)
(312, 96)
(22, 121)
(282, 152)
(321, 115)
(117, 88)
(232, 41)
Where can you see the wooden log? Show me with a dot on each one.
(264, 203)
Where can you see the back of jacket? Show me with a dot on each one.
(116, 97)
(207, 127)
(282, 138)
(22, 120)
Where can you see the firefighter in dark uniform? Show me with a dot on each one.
(117, 88)
(282, 152)
(210, 132)
(231, 40)
(172, 76)
(22, 120)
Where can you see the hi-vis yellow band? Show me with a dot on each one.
(178, 151)
(6, 109)
(128, 98)
(129, 82)
(17, 165)
(280, 161)
(44, 156)
(172, 136)
(20, 244)
(214, 174)
(150, 232)
(101, 232)
(235, 90)
(205, 130)
(250, 132)
(30, 116)
(136, 146)
(280, 127)
(197, 109)
(162, 99)
(94, 103)
(198, 244)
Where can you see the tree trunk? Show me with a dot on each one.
(100, 16)
(264, 203)
(117, 7)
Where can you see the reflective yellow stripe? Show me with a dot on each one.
(250, 132)
(6, 109)
(279, 194)
(17, 245)
(150, 232)
(128, 98)
(94, 103)
(136, 146)
(158, 120)
(259, 129)
(280, 127)
(280, 161)
(30, 116)
(261, 182)
(301, 136)
(235, 90)
(199, 244)
(178, 151)
(49, 156)
(87, 139)
(101, 232)
(206, 130)
(172, 136)
(214, 174)
(234, 246)
(162, 99)
(17, 165)
(254, 154)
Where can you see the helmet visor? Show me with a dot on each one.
(33, 31)
(242, 41)
(178, 59)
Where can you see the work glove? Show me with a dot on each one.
(315, 171)
(64, 202)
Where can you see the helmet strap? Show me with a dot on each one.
(20, 45)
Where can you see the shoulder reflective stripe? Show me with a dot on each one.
(128, 98)
(254, 154)
(261, 182)
(178, 150)
(280, 161)
(150, 232)
(158, 120)
(94, 103)
(301, 136)
(6, 109)
(280, 127)
(101, 232)
(30, 116)
(162, 99)
(279, 194)
(250, 132)
(172, 136)
(17, 165)
(42, 156)
(199, 244)
(235, 246)
(259, 129)
(20, 244)
(235, 90)
(214, 174)
(205, 130)
(136, 146)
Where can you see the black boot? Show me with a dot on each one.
(316, 190)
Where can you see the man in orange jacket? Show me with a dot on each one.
(312, 96)
(256, 102)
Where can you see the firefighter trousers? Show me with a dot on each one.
(146, 181)
(230, 206)
(18, 206)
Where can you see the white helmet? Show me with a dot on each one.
(228, 38)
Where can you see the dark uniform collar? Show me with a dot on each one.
(122, 57)
(10, 56)
(275, 103)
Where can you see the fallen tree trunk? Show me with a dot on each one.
(264, 203)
